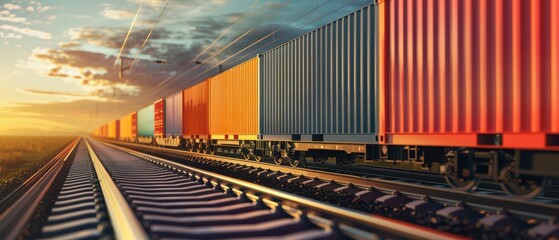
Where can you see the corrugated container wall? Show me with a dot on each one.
(234, 100)
(159, 118)
(196, 110)
(114, 129)
(146, 122)
(323, 82)
(126, 127)
(134, 124)
(173, 115)
(471, 66)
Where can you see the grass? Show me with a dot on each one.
(18, 155)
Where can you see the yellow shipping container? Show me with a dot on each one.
(114, 129)
(234, 102)
(126, 127)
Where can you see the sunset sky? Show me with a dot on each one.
(57, 64)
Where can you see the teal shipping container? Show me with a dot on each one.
(146, 121)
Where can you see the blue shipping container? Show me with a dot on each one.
(323, 83)
(173, 115)
(146, 122)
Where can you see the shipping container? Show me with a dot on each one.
(470, 73)
(105, 132)
(159, 118)
(324, 83)
(134, 125)
(126, 131)
(146, 121)
(234, 102)
(195, 110)
(114, 129)
(173, 115)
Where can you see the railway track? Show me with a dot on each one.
(481, 210)
(107, 192)
(19, 205)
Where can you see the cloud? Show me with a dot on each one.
(11, 6)
(70, 94)
(43, 8)
(117, 14)
(114, 37)
(13, 19)
(27, 31)
(94, 72)
(10, 35)
(70, 44)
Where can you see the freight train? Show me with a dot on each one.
(469, 86)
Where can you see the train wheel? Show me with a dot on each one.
(246, 154)
(462, 184)
(522, 187)
(210, 150)
(201, 148)
(320, 159)
(346, 160)
(278, 160)
(458, 170)
(297, 159)
(188, 146)
(258, 155)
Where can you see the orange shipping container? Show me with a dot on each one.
(114, 129)
(470, 73)
(105, 132)
(126, 127)
(196, 111)
(234, 102)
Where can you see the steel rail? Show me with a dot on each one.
(523, 207)
(20, 205)
(125, 223)
(329, 211)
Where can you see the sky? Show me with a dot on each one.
(59, 73)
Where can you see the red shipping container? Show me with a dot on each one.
(159, 118)
(470, 73)
(134, 124)
(196, 111)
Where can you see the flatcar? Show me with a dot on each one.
(469, 88)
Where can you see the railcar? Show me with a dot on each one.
(172, 121)
(146, 124)
(128, 128)
(113, 131)
(474, 83)
(195, 123)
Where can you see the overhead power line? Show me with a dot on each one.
(128, 34)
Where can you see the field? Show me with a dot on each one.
(20, 155)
